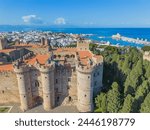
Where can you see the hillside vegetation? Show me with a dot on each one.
(126, 81)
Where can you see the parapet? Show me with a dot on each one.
(83, 45)
(19, 68)
(46, 68)
(87, 69)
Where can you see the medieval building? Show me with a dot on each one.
(50, 76)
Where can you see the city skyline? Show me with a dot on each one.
(85, 13)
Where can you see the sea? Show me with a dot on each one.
(96, 34)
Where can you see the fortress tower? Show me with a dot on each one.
(83, 45)
(84, 89)
(24, 86)
(89, 83)
(44, 41)
(3, 43)
(47, 76)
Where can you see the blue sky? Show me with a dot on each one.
(90, 13)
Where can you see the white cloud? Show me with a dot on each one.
(60, 21)
(32, 19)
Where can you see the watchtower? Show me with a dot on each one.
(3, 43)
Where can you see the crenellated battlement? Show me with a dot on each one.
(8, 72)
(44, 68)
(88, 69)
(64, 47)
(22, 69)
(37, 78)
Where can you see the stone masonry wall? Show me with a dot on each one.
(8, 88)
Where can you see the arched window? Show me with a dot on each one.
(72, 56)
(67, 56)
(37, 84)
(54, 56)
(58, 99)
(70, 99)
(59, 56)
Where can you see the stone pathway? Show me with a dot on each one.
(15, 108)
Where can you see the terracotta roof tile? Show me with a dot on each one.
(41, 59)
(6, 67)
(6, 50)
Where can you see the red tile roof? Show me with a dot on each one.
(6, 50)
(6, 67)
(42, 58)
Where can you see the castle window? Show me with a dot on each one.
(85, 95)
(95, 83)
(88, 77)
(94, 75)
(37, 83)
(59, 56)
(58, 99)
(97, 73)
(24, 96)
(70, 99)
(69, 79)
(54, 56)
(74, 69)
(68, 87)
(67, 56)
(72, 56)
(45, 77)
(20, 78)
(56, 81)
(3, 91)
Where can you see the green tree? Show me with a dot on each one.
(146, 48)
(128, 104)
(147, 69)
(114, 99)
(126, 66)
(134, 79)
(100, 102)
(140, 95)
(145, 107)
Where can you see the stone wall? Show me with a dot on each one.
(97, 79)
(3, 43)
(146, 55)
(65, 85)
(85, 91)
(8, 88)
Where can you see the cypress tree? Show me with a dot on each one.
(113, 99)
(128, 104)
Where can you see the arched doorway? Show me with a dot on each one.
(38, 100)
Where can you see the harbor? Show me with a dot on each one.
(132, 40)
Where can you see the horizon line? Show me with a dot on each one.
(75, 26)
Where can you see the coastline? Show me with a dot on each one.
(95, 33)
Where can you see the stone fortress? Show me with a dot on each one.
(34, 74)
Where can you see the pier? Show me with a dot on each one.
(133, 40)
